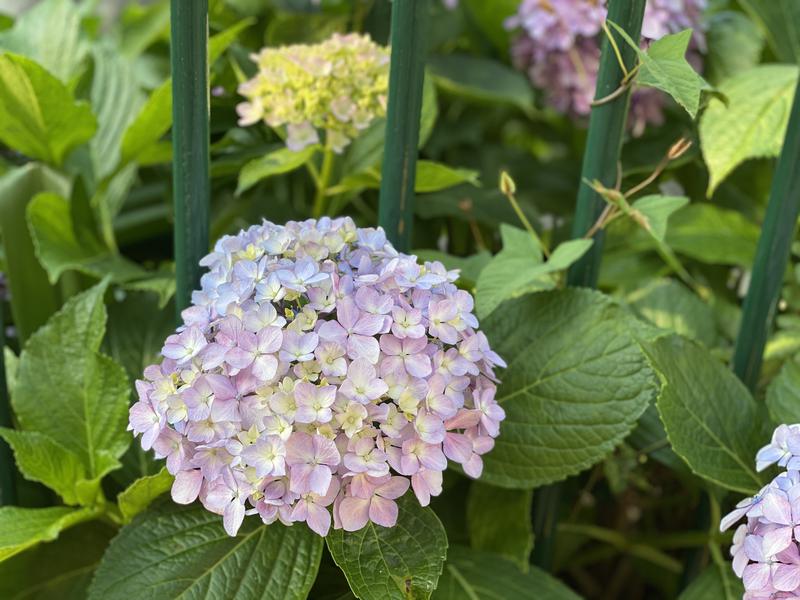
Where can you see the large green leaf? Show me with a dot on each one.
(38, 115)
(21, 528)
(277, 162)
(50, 34)
(482, 79)
(716, 584)
(183, 552)
(396, 563)
(141, 493)
(26, 277)
(711, 419)
(68, 391)
(575, 385)
(783, 394)
(485, 576)
(499, 521)
(734, 43)
(59, 570)
(753, 122)
(779, 19)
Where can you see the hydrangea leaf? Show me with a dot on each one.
(278, 162)
(753, 122)
(485, 576)
(50, 34)
(38, 115)
(514, 271)
(70, 392)
(40, 458)
(183, 552)
(783, 394)
(711, 419)
(141, 493)
(21, 528)
(568, 404)
(396, 563)
(778, 19)
(483, 80)
(499, 521)
(717, 581)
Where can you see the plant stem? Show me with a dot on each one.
(322, 182)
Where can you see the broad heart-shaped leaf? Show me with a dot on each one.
(21, 528)
(783, 394)
(141, 493)
(26, 277)
(49, 33)
(779, 19)
(664, 67)
(752, 124)
(656, 211)
(70, 392)
(484, 576)
(575, 385)
(395, 563)
(60, 247)
(183, 552)
(277, 162)
(499, 521)
(482, 79)
(38, 115)
(717, 582)
(711, 419)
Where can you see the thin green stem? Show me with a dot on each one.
(525, 222)
(322, 182)
(617, 53)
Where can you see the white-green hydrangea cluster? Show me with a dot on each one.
(337, 87)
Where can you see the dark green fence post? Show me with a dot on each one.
(8, 484)
(604, 142)
(189, 57)
(406, 78)
(772, 256)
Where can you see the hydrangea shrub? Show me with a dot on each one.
(337, 87)
(319, 370)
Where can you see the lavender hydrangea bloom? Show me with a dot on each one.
(318, 376)
(559, 47)
(766, 549)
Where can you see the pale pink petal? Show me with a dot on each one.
(383, 512)
(353, 513)
(186, 486)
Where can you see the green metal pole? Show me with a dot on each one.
(772, 256)
(190, 141)
(406, 78)
(8, 483)
(604, 142)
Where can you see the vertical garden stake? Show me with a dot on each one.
(8, 487)
(604, 141)
(406, 78)
(772, 256)
(189, 57)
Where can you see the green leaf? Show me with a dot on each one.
(61, 569)
(485, 576)
(656, 211)
(141, 493)
(490, 18)
(714, 583)
(50, 34)
(26, 277)
(735, 45)
(183, 552)
(752, 124)
(42, 459)
(60, 249)
(575, 385)
(88, 414)
(783, 394)
(396, 563)
(778, 19)
(433, 176)
(669, 305)
(21, 528)
(713, 235)
(710, 417)
(277, 162)
(516, 270)
(499, 521)
(38, 115)
(664, 67)
(482, 79)
(142, 26)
